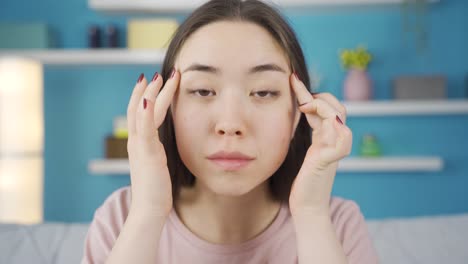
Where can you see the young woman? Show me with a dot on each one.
(232, 159)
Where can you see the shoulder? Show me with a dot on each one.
(343, 208)
(116, 205)
(346, 215)
(105, 227)
(121, 196)
(351, 229)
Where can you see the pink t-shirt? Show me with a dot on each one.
(275, 245)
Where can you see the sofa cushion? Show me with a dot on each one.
(43, 243)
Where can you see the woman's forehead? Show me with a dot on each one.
(224, 44)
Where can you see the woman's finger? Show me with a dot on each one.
(145, 124)
(343, 144)
(327, 134)
(302, 93)
(334, 102)
(308, 104)
(321, 108)
(334, 141)
(165, 97)
(137, 93)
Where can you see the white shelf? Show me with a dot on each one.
(109, 166)
(349, 164)
(406, 107)
(161, 6)
(391, 164)
(90, 56)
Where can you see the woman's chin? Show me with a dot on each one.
(231, 187)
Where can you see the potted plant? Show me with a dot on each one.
(357, 84)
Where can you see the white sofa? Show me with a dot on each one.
(428, 240)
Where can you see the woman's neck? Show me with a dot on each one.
(226, 219)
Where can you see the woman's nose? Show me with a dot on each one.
(230, 119)
(229, 129)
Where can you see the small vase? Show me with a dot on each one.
(357, 86)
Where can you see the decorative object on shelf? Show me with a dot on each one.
(116, 148)
(94, 36)
(120, 127)
(420, 87)
(116, 144)
(414, 20)
(357, 84)
(25, 36)
(112, 36)
(21, 141)
(150, 33)
(370, 147)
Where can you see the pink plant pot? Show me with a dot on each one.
(357, 86)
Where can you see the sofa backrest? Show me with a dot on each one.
(429, 240)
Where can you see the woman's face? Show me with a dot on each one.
(234, 95)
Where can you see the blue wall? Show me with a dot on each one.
(80, 103)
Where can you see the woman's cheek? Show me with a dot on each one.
(188, 118)
(277, 128)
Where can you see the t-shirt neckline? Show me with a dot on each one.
(230, 249)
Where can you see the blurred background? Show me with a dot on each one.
(400, 67)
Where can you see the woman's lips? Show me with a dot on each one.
(231, 164)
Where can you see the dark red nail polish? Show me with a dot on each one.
(144, 103)
(141, 78)
(339, 120)
(155, 76)
(173, 72)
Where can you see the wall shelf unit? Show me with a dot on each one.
(124, 56)
(349, 164)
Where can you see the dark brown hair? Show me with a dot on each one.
(267, 17)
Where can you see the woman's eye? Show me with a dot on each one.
(259, 94)
(201, 92)
(265, 94)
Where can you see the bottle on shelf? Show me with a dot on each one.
(94, 37)
(112, 36)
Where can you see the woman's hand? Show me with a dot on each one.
(150, 180)
(331, 141)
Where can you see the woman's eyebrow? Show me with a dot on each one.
(253, 70)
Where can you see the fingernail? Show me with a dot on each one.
(173, 72)
(144, 103)
(155, 76)
(297, 77)
(339, 120)
(141, 78)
